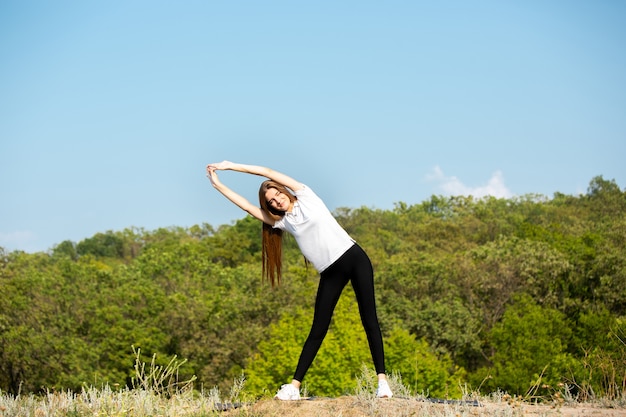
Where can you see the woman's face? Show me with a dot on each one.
(277, 200)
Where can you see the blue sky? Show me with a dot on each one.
(109, 111)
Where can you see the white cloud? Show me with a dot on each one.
(17, 240)
(453, 186)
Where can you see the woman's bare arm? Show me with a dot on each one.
(279, 177)
(237, 199)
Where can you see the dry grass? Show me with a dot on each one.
(106, 402)
(158, 392)
(140, 403)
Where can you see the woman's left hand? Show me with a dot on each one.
(212, 175)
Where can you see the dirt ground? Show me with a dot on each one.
(400, 407)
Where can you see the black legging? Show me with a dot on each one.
(354, 266)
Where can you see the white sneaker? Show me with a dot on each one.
(288, 392)
(383, 390)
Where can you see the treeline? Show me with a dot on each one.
(523, 295)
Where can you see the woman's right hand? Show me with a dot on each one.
(212, 176)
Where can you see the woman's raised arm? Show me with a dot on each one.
(279, 177)
(237, 199)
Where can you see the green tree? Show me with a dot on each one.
(530, 345)
(107, 245)
(66, 248)
(422, 370)
(599, 339)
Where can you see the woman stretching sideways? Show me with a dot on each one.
(288, 205)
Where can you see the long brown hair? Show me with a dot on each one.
(272, 253)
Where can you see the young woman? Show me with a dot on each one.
(288, 205)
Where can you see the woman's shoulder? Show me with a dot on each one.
(309, 197)
(305, 191)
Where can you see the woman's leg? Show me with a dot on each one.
(362, 278)
(332, 283)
